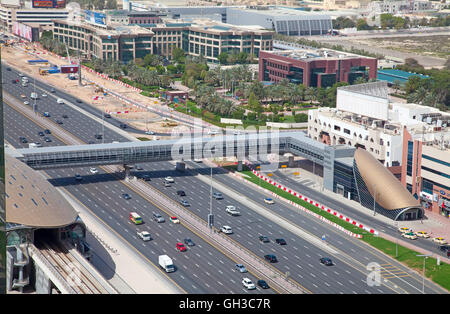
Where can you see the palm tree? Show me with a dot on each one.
(396, 85)
(360, 80)
(418, 96)
(310, 94)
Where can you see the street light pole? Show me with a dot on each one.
(425, 256)
(374, 199)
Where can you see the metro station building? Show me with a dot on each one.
(36, 216)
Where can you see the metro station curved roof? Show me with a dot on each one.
(31, 200)
(390, 193)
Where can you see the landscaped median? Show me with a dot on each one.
(440, 274)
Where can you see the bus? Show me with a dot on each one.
(134, 217)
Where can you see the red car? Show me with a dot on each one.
(181, 247)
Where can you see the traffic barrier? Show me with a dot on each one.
(314, 203)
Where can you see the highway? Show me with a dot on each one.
(197, 269)
(327, 199)
(102, 191)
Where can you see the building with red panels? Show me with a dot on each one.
(315, 67)
(426, 162)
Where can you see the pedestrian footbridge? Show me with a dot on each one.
(252, 146)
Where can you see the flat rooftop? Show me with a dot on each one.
(311, 54)
(285, 12)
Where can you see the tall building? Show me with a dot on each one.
(315, 67)
(426, 162)
(364, 117)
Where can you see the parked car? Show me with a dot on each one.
(248, 284)
(271, 258)
(404, 230)
(263, 284)
(422, 234)
(144, 235)
(264, 239)
(326, 261)
(439, 240)
(280, 241)
(409, 235)
(241, 268)
(158, 218)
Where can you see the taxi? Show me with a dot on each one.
(404, 230)
(439, 240)
(409, 235)
(422, 234)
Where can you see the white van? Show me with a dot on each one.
(60, 101)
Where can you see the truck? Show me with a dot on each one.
(165, 262)
(232, 210)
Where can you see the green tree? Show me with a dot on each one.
(178, 55)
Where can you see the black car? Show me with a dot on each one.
(146, 177)
(444, 248)
(8, 69)
(41, 133)
(79, 101)
(271, 258)
(326, 261)
(52, 90)
(107, 115)
(47, 139)
(98, 136)
(47, 131)
(23, 140)
(14, 81)
(123, 125)
(263, 284)
(280, 241)
(65, 116)
(264, 239)
(59, 122)
(181, 193)
(126, 196)
(91, 142)
(189, 242)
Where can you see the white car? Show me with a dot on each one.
(149, 132)
(226, 230)
(60, 101)
(248, 284)
(230, 209)
(174, 220)
(144, 235)
(169, 179)
(268, 200)
(198, 160)
(93, 170)
(44, 95)
(26, 102)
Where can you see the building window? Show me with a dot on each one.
(409, 160)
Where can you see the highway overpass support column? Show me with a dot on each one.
(127, 170)
(239, 165)
(291, 163)
(180, 166)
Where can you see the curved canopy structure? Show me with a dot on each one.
(31, 200)
(374, 181)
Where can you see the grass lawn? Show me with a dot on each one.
(439, 274)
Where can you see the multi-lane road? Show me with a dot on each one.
(204, 269)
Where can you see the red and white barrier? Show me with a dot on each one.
(316, 204)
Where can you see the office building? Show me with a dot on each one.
(315, 67)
